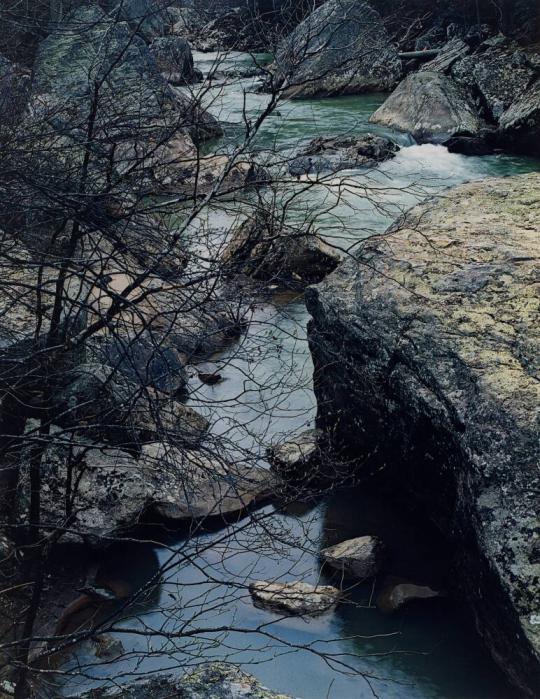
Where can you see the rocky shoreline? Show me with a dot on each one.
(425, 353)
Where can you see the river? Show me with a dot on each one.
(428, 651)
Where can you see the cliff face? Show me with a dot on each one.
(426, 354)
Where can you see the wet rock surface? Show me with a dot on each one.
(360, 558)
(341, 48)
(266, 250)
(331, 154)
(431, 108)
(297, 598)
(436, 337)
(211, 681)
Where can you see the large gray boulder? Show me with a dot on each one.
(430, 107)
(175, 60)
(426, 357)
(211, 681)
(340, 48)
(93, 59)
(111, 490)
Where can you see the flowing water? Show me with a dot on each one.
(424, 651)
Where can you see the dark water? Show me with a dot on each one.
(428, 650)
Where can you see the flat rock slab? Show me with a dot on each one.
(297, 598)
(361, 557)
(426, 354)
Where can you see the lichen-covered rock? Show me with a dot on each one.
(295, 598)
(331, 154)
(112, 490)
(499, 72)
(426, 357)
(361, 557)
(266, 250)
(211, 681)
(340, 48)
(431, 107)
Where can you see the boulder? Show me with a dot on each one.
(499, 73)
(430, 107)
(265, 250)
(519, 126)
(340, 48)
(295, 458)
(105, 405)
(359, 558)
(426, 358)
(295, 598)
(149, 18)
(114, 490)
(14, 88)
(151, 127)
(209, 681)
(332, 154)
(396, 594)
(174, 59)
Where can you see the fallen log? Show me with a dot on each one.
(428, 53)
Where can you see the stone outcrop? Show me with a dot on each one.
(430, 107)
(426, 354)
(268, 251)
(360, 558)
(211, 681)
(332, 154)
(174, 59)
(112, 490)
(341, 48)
(296, 598)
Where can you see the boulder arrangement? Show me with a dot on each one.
(475, 98)
(435, 330)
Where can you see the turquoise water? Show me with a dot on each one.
(428, 651)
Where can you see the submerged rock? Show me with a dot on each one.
(340, 48)
(426, 356)
(396, 594)
(266, 250)
(296, 598)
(211, 681)
(431, 108)
(332, 154)
(361, 557)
